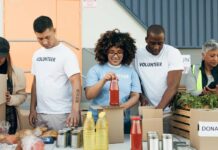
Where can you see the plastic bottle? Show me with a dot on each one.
(102, 132)
(114, 93)
(136, 133)
(89, 133)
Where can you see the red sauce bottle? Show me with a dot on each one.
(114, 93)
(136, 133)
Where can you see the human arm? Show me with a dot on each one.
(73, 117)
(191, 83)
(143, 100)
(93, 91)
(33, 103)
(134, 98)
(18, 95)
(173, 80)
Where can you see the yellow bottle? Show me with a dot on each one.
(102, 132)
(89, 133)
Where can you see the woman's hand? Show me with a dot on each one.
(143, 100)
(8, 96)
(208, 90)
(109, 76)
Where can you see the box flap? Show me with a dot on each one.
(151, 113)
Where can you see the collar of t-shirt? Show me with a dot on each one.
(161, 51)
(112, 66)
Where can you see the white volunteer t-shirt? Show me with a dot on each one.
(153, 70)
(52, 69)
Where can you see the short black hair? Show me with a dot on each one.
(42, 23)
(156, 29)
(117, 39)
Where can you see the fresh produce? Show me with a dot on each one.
(186, 100)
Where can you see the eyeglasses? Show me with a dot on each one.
(119, 53)
(156, 43)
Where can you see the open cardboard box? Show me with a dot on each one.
(203, 142)
(114, 116)
(152, 120)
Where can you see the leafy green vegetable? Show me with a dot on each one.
(186, 100)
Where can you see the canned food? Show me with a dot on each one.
(167, 142)
(153, 141)
(61, 139)
(68, 136)
(75, 139)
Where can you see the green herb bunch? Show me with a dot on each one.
(186, 100)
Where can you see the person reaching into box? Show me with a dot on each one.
(159, 67)
(114, 52)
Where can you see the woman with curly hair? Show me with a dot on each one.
(114, 52)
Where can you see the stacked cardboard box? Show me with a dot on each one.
(152, 120)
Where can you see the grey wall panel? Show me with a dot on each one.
(188, 23)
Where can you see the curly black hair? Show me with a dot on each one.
(116, 39)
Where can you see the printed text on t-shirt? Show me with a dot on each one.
(153, 64)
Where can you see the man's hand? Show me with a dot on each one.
(73, 119)
(33, 118)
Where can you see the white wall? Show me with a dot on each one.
(108, 15)
(1, 17)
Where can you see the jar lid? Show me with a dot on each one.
(135, 118)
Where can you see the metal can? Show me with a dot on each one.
(61, 139)
(153, 141)
(167, 142)
(68, 136)
(75, 139)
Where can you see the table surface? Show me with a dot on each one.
(118, 146)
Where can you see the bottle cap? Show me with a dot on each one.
(135, 118)
(101, 114)
(89, 114)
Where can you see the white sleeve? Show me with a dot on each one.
(33, 65)
(71, 65)
(175, 60)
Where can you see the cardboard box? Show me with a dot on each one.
(152, 120)
(2, 111)
(202, 143)
(3, 89)
(115, 118)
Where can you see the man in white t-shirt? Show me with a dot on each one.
(56, 89)
(160, 68)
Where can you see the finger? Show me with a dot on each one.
(31, 121)
(75, 122)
